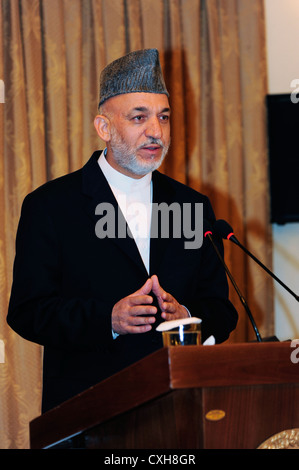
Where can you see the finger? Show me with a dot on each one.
(156, 288)
(159, 292)
(138, 329)
(139, 310)
(166, 297)
(133, 329)
(179, 312)
(139, 324)
(166, 302)
(145, 289)
(169, 307)
(140, 299)
(131, 321)
(169, 316)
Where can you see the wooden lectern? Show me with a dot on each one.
(232, 396)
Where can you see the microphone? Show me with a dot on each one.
(224, 230)
(208, 233)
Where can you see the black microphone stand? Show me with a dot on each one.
(242, 299)
(231, 236)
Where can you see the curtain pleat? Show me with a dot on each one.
(213, 56)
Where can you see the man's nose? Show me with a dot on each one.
(153, 128)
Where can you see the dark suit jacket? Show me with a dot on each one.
(66, 281)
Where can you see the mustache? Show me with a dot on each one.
(152, 141)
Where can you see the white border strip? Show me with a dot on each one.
(2, 352)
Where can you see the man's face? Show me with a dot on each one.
(139, 132)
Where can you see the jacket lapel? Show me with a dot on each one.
(162, 193)
(97, 190)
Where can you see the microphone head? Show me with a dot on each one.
(224, 229)
(207, 228)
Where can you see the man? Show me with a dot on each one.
(92, 295)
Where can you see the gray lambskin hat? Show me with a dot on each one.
(138, 71)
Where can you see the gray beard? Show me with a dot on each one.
(127, 159)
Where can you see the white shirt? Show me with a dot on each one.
(134, 197)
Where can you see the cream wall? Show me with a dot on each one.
(282, 34)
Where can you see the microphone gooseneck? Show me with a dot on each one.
(223, 229)
(208, 233)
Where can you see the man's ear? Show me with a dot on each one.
(102, 126)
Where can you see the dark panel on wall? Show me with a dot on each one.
(283, 137)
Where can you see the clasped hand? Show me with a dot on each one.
(128, 313)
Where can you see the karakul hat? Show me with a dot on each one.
(138, 71)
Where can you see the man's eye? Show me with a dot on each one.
(164, 117)
(138, 118)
